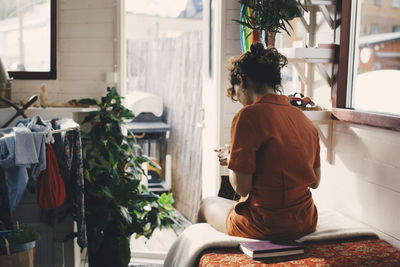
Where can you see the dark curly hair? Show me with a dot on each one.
(261, 65)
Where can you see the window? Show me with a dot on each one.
(368, 68)
(396, 3)
(374, 29)
(396, 28)
(378, 2)
(28, 38)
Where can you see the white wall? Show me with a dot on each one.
(363, 178)
(218, 109)
(231, 48)
(85, 52)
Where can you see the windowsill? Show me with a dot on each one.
(380, 120)
(318, 115)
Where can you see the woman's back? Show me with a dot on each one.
(274, 156)
(285, 146)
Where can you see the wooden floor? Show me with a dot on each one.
(152, 252)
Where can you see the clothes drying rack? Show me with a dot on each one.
(51, 131)
(20, 111)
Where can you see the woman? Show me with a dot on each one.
(274, 156)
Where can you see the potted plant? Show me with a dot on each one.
(117, 203)
(269, 16)
(17, 246)
(23, 235)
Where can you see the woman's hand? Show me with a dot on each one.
(223, 155)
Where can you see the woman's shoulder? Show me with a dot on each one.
(247, 112)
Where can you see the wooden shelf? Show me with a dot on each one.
(322, 2)
(315, 55)
(308, 55)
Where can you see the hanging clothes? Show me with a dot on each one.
(51, 188)
(68, 150)
(5, 216)
(37, 124)
(22, 155)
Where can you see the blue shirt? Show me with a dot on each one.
(22, 155)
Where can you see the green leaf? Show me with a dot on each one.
(126, 114)
(151, 162)
(125, 214)
(107, 192)
(89, 101)
(269, 15)
(90, 117)
(166, 199)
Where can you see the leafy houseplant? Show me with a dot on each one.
(21, 240)
(117, 203)
(270, 16)
(23, 234)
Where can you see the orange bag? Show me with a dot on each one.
(51, 187)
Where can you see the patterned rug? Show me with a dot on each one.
(344, 253)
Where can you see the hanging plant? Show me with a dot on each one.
(118, 205)
(269, 16)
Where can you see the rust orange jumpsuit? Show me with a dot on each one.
(279, 145)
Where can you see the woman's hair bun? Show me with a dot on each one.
(261, 65)
(257, 49)
(267, 56)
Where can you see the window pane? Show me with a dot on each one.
(25, 35)
(376, 85)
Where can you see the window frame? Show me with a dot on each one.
(44, 75)
(340, 89)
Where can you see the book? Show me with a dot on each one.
(266, 248)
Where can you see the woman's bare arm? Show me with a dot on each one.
(241, 182)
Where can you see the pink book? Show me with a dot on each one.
(266, 248)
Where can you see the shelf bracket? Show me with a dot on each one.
(305, 24)
(325, 12)
(322, 71)
(300, 72)
(325, 136)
